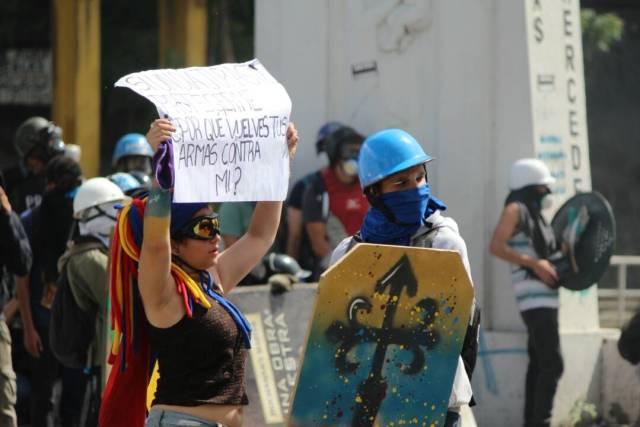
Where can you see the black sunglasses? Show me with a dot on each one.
(201, 228)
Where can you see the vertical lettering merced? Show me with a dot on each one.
(576, 157)
(567, 22)
(576, 164)
(573, 123)
(569, 55)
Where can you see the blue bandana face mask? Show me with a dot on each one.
(408, 206)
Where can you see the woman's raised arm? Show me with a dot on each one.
(237, 261)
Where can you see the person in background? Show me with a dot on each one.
(37, 141)
(298, 245)
(49, 227)
(629, 342)
(524, 239)
(85, 264)
(15, 259)
(129, 184)
(333, 206)
(235, 218)
(133, 155)
(393, 176)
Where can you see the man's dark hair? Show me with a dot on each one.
(64, 172)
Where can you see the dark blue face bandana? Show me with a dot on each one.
(409, 207)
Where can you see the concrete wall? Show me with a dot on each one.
(620, 380)
(594, 372)
(459, 75)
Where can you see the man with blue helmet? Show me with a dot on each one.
(393, 176)
(128, 183)
(133, 154)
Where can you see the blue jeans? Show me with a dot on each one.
(162, 418)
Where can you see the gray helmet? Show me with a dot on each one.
(334, 142)
(38, 132)
(282, 263)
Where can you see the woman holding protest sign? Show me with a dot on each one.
(168, 284)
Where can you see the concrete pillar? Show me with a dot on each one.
(480, 84)
(76, 89)
(183, 33)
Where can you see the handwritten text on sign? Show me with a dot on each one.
(231, 124)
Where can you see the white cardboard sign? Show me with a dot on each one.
(231, 124)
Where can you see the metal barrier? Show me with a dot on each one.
(621, 293)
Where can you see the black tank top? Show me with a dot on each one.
(201, 359)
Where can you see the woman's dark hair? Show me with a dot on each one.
(531, 197)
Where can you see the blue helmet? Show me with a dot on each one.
(132, 144)
(324, 131)
(125, 181)
(387, 152)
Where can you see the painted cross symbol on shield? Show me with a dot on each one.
(384, 341)
(372, 390)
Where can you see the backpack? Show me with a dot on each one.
(71, 329)
(629, 342)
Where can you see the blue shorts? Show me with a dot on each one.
(164, 418)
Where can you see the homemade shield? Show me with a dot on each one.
(384, 339)
(586, 232)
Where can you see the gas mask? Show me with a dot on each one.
(98, 222)
(349, 158)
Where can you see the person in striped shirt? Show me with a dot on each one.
(524, 239)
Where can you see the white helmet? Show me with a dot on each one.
(526, 172)
(95, 192)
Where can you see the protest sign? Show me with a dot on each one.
(231, 123)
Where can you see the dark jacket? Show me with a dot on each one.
(15, 253)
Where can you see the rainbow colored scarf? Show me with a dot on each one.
(123, 402)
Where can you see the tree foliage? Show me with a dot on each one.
(600, 31)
